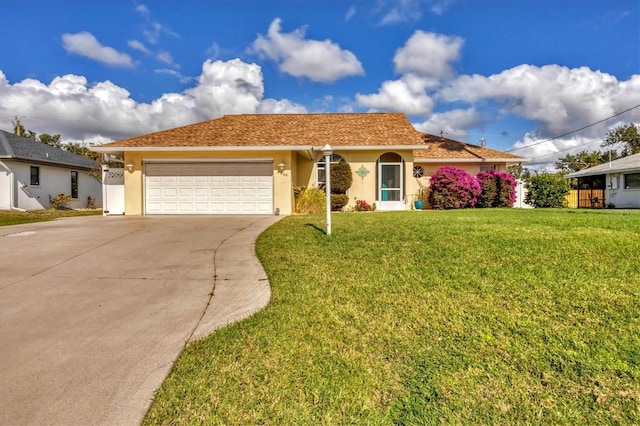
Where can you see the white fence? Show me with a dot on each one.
(112, 191)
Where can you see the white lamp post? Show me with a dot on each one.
(327, 151)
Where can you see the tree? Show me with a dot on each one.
(584, 159)
(52, 140)
(628, 136)
(45, 138)
(82, 148)
(547, 190)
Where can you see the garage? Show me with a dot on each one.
(223, 187)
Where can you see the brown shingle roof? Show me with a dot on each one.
(303, 130)
(310, 130)
(446, 149)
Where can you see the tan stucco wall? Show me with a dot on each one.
(282, 182)
(299, 170)
(362, 188)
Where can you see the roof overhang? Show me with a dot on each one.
(586, 173)
(121, 149)
(47, 163)
(470, 160)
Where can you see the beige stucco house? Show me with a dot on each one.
(250, 164)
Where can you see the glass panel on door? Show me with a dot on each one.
(390, 189)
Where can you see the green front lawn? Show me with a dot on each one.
(14, 217)
(455, 317)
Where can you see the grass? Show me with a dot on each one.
(14, 217)
(439, 317)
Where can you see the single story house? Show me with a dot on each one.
(32, 173)
(622, 182)
(250, 164)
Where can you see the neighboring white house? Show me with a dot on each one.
(622, 180)
(32, 173)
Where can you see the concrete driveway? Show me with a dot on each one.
(95, 310)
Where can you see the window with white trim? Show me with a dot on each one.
(321, 169)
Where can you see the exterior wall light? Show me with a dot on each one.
(130, 166)
(281, 167)
(327, 151)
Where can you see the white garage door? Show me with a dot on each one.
(209, 188)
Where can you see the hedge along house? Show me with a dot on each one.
(250, 164)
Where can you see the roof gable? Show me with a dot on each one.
(16, 147)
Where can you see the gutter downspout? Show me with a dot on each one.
(11, 190)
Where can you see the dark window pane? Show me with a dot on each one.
(35, 175)
(74, 184)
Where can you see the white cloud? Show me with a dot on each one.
(165, 57)
(406, 95)
(559, 98)
(453, 124)
(350, 13)
(142, 9)
(322, 61)
(137, 45)
(85, 44)
(283, 106)
(429, 55)
(176, 74)
(400, 11)
(213, 51)
(77, 110)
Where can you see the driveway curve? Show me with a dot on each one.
(95, 310)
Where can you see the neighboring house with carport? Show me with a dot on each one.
(250, 164)
(621, 179)
(32, 173)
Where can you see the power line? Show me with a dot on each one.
(574, 131)
(568, 149)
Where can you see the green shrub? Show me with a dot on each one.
(61, 202)
(311, 200)
(338, 201)
(547, 190)
(341, 178)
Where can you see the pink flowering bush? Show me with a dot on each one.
(498, 189)
(453, 188)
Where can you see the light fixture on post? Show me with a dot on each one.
(281, 167)
(130, 166)
(327, 151)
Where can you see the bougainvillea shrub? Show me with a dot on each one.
(453, 188)
(498, 189)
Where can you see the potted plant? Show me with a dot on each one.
(420, 197)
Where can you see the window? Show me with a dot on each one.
(632, 181)
(35, 175)
(487, 168)
(74, 184)
(322, 168)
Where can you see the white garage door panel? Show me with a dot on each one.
(209, 188)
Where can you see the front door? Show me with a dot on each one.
(390, 185)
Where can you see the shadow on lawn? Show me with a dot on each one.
(316, 227)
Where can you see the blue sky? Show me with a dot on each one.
(515, 73)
